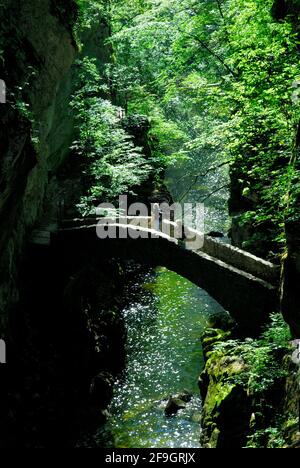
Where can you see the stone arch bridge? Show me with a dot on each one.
(245, 285)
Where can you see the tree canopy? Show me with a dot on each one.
(218, 80)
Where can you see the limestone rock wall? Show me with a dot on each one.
(38, 51)
(291, 273)
(58, 342)
(36, 123)
(291, 279)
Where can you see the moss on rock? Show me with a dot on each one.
(250, 391)
(226, 412)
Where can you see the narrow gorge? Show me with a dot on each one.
(170, 321)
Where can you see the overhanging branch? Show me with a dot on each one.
(197, 177)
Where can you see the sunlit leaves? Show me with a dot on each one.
(216, 79)
(114, 165)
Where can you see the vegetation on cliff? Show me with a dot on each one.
(212, 82)
(244, 385)
(219, 81)
(114, 165)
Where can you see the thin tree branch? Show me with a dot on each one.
(220, 9)
(215, 54)
(197, 177)
(211, 169)
(214, 192)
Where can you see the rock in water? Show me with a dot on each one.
(185, 396)
(177, 403)
(173, 406)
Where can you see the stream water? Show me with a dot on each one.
(164, 322)
(165, 319)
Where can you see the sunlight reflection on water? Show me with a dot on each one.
(164, 323)
(165, 320)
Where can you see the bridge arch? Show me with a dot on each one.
(249, 299)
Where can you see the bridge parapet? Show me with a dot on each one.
(171, 230)
(242, 260)
(143, 221)
(248, 298)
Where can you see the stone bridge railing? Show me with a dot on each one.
(175, 232)
(245, 285)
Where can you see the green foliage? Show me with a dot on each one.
(88, 9)
(274, 436)
(278, 334)
(262, 356)
(216, 79)
(270, 437)
(255, 367)
(113, 165)
(262, 139)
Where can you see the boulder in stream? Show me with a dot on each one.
(177, 402)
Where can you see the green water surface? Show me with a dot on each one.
(165, 319)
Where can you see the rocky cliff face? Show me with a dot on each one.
(291, 279)
(38, 49)
(248, 402)
(36, 124)
(61, 327)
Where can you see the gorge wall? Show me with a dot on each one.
(61, 327)
(38, 49)
(237, 413)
